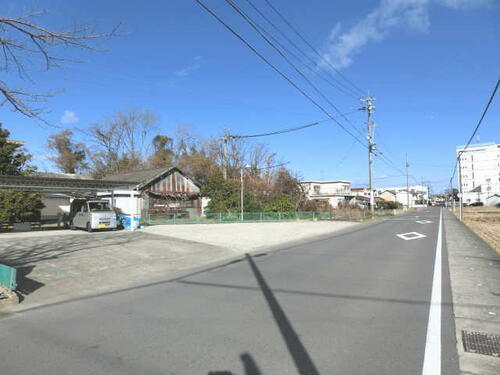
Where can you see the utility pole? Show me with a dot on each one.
(241, 194)
(241, 190)
(453, 198)
(460, 201)
(369, 108)
(407, 185)
(224, 156)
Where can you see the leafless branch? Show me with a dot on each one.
(22, 38)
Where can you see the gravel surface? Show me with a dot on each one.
(240, 237)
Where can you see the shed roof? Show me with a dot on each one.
(140, 176)
(144, 178)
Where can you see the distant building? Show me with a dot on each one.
(437, 199)
(333, 192)
(417, 195)
(479, 171)
(387, 195)
(493, 200)
(363, 192)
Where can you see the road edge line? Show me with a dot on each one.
(432, 356)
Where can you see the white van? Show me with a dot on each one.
(91, 215)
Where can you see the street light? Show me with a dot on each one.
(247, 166)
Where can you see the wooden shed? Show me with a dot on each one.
(163, 190)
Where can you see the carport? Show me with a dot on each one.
(70, 186)
(73, 187)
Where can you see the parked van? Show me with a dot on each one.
(91, 215)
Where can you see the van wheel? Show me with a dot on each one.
(89, 228)
(72, 225)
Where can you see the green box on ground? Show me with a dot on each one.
(8, 277)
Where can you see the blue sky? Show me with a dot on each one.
(431, 64)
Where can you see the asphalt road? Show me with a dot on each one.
(357, 302)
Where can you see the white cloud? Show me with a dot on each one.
(192, 67)
(389, 16)
(69, 117)
(465, 4)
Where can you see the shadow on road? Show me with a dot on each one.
(25, 285)
(249, 366)
(300, 356)
(29, 251)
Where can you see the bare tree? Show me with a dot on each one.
(22, 41)
(121, 142)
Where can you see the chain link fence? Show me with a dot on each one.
(253, 217)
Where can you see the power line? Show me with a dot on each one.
(282, 131)
(311, 46)
(431, 165)
(343, 87)
(289, 80)
(289, 130)
(252, 23)
(391, 164)
(272, 166)
(475, 130)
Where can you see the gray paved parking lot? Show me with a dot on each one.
(58, 265)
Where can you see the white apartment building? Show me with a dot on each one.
(332, 191)
(479, 171)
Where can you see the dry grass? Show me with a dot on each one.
(485, 222)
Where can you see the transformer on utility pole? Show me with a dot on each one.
(369, 108)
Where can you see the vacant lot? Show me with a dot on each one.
(244, 237)
(54, 266)
(485, 221)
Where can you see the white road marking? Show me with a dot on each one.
(423, 221)
(411, 236)
(432, 356)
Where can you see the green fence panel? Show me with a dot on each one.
(238, 217)
(8, 277)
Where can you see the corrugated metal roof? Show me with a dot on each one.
(138, 177)
(72, 176)
(51, 184)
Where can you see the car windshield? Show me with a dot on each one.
(99, 206)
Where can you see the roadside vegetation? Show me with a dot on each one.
(16, 206)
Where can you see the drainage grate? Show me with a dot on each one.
(481, 343)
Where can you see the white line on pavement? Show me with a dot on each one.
(432, 356)
(423, 222)
(411, 236)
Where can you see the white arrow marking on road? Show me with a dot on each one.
(411, 236)
(432, 356)
(423, 221)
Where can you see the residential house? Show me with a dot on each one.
(387, 195)
(415, 195)
(336, 192)
(363, 192)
